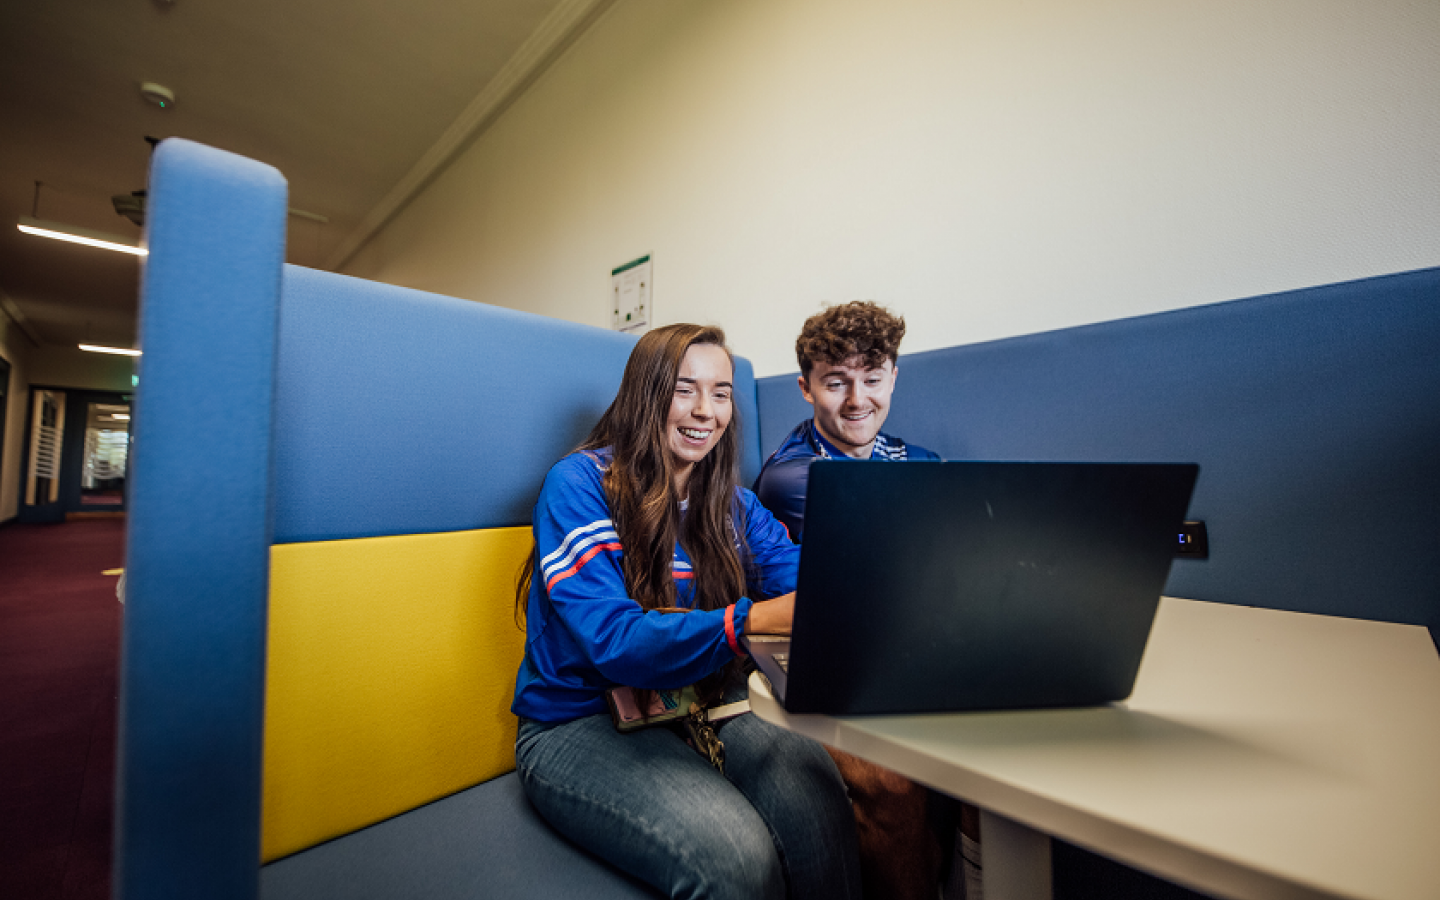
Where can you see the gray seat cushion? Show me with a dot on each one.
(483, 842)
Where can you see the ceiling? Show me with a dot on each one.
(357, 102)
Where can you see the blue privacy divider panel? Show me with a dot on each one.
(403, 412)
(747, 408)
(197, 560)
(1314, 415)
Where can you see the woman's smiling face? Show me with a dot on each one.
(700, 408)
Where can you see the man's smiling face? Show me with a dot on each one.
(851, 402)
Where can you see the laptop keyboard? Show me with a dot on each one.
(783, 660)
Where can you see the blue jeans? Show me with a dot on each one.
(776, 824)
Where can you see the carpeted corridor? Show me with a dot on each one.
(59, 652)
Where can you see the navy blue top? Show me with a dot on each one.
(782, 482)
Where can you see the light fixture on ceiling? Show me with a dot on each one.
(122, 351)
(158, 94)
(74, 234)
(132, 205)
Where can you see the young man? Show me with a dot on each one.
(847, 360)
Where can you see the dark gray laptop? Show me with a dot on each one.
(954, 586)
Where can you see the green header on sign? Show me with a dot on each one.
(630, 265)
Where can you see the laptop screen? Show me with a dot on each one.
(938, 586)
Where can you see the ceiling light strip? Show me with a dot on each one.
(122, 351)
(76, 235)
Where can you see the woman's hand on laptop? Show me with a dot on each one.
(772, 616)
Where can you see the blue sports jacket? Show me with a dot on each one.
(585, 634)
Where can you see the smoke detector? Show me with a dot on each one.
(158, 94)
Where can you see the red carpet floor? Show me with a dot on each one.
(59, 650)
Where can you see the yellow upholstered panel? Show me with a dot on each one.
(390, 673)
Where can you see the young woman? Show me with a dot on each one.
(649, 564)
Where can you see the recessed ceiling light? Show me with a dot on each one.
(158, 94)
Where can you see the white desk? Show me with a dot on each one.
(1263, 754)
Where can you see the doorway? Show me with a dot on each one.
(4, 409)
(78, 454)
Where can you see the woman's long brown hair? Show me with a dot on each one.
(639, 486)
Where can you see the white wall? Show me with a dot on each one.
(13, 348)
(986, 168)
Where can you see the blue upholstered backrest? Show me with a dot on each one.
(1314, 416)
(402, 412)
(199, 529)
(341, 409)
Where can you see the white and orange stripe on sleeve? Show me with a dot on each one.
(578, 548)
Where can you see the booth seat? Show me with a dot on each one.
(331, 493)
(1314, 416)
(329, 507)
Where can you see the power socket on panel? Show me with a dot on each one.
(1194, 542)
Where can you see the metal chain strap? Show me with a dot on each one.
(703, 737)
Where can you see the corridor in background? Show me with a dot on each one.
(77, 450)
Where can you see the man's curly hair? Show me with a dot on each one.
(840, 333)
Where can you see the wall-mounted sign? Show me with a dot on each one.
(630, 293)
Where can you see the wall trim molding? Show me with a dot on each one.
(565, 24)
